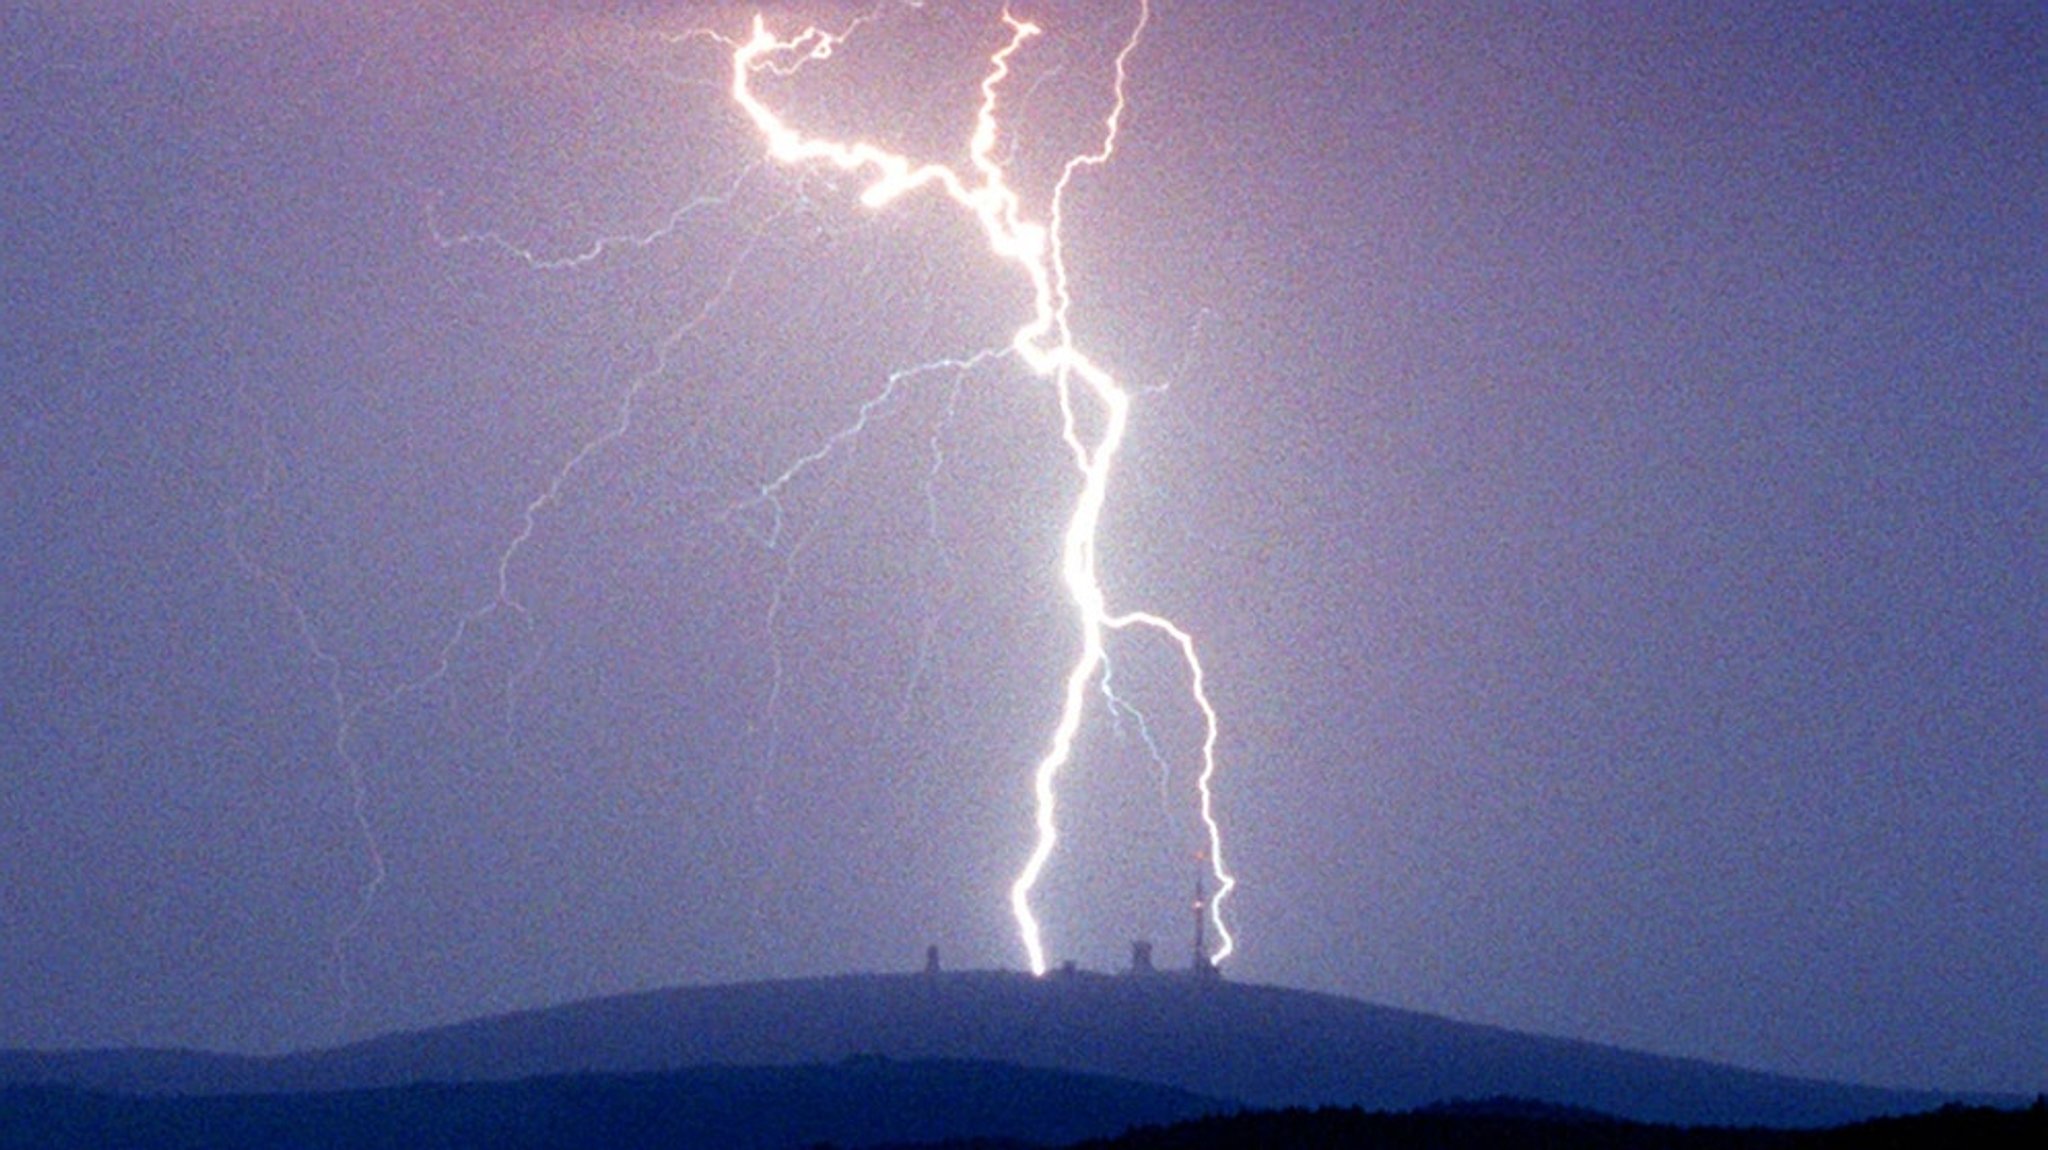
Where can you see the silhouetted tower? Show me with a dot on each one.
(1141, 957)
(1202, 966)
(931, 959)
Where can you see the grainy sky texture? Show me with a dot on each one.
(1600, 448)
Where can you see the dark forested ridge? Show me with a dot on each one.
(873, 1104)
(1253, 1046)
(861, 1102)
(1522, 1127)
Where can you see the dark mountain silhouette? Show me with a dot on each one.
(876, 1104)
(861, 1102)
(1259, 1046)
(1517, 1125)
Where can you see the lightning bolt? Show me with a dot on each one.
(1045, 344)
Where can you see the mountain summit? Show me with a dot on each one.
(1260, 1046)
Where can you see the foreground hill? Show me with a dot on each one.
(873, 1104)
(1259, 1046)
(1507, 1125)
(860, 1103)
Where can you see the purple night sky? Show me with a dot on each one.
(1601, 449)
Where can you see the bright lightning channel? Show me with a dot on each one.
(1045, 344)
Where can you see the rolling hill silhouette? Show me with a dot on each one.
(863, 1102)
(1259, 1046)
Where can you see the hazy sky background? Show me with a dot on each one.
(1601, 450)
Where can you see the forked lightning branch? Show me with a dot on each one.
(1045, 344)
